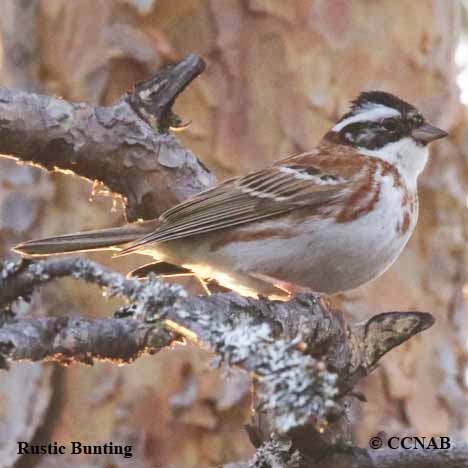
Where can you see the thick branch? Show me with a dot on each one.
(302, 368)
(113, 145)
(75, 339)
(294, 386)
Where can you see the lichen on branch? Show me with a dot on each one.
(296, 387)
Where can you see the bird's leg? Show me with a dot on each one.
(211, 286)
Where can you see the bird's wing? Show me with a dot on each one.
(307, 180)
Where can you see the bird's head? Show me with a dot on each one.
(382, 125)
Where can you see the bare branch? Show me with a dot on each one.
(113, 145)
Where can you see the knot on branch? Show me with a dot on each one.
(153, 99)
(385, 331)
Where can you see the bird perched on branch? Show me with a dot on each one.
(324, 221)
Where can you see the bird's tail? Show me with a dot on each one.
(100, 239)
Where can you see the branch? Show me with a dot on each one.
(75, 339)
(303, 367)
(294, 386)
(455, 457)
(281, 453)
(115, 145)
(152, 100)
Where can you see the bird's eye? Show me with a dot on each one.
(391, 124)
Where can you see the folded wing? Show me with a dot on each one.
(260, 195)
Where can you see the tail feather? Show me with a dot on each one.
(100, 239)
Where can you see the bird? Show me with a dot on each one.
(322, 222)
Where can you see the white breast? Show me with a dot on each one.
(326, 257)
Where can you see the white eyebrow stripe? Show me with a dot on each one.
(377, 112)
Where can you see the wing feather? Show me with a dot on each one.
(245, 199)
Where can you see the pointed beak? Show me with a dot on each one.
(427, 133)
